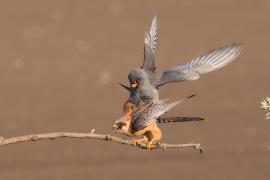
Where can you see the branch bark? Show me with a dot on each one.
(92, 135)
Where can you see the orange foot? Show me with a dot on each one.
(138, 141)
(149, 144)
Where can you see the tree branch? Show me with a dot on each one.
(92, 135)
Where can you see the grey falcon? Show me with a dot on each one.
(144, 81)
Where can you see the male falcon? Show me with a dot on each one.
(144, 81)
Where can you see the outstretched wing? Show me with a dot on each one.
(144, 116)
(149, 47)
(213, 60)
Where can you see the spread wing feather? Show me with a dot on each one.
(149, 47)
(213, 60)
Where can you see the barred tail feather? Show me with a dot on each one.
(178, 119)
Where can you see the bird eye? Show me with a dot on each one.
(121, 124)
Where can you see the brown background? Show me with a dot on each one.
(60, 63)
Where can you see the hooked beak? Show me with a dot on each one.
(115, 126)
(118, 123)
(134, 84)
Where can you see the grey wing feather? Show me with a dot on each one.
(213, 60)
(150, 112)
(168, 107)
(149, 47)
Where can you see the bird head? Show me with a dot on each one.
(120, 126)
(137, 77)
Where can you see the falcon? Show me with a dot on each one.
(144, 81)
(143, 121)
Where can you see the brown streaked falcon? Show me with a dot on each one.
(143, 121)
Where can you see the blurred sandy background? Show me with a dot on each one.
(60, 63)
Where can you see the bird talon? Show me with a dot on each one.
(148, 147)
(137, 141)
(149, 144)
(134, 142)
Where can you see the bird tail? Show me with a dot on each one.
(178, 119)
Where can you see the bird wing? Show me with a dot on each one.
(213, 60)
(149, 47)
(144, 116)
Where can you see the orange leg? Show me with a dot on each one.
(153, 136)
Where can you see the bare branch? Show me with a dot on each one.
(92, 135)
